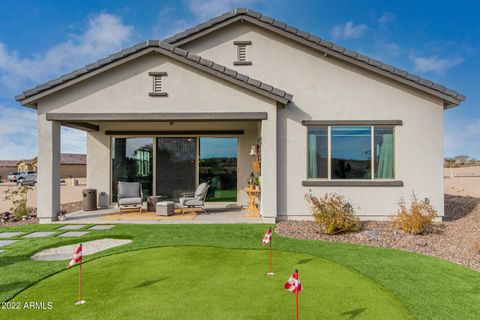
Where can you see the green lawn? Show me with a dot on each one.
(198, 272)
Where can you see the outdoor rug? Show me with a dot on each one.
(190, 214)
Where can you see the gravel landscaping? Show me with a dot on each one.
(456, 239)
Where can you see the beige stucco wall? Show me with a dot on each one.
(73, 170)
(323, 89)
(125, 90)
(326, 89)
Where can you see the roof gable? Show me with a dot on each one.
(450, 97)
(28, 98)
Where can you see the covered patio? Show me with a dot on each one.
(217, 213)
(169, 153)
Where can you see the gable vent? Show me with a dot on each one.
(242, 53)
(157, 90)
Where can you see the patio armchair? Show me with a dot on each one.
(195, 199)
(130, 195)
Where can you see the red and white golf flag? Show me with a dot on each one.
(268, 237)
(293, 284)
(77, 256)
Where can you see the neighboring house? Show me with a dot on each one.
(27, 165)
(7, 166)
(72, 165)
(329, 119)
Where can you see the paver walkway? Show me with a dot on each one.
(73, 234)
(39, 234)
(72, 227)
(4, 243)
(5, 235)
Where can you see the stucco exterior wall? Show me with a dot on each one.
(125, 90)
(326, 89)
(73, 171)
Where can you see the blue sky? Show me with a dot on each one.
(40, 40)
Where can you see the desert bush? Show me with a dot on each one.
(416, 218)
(476, 247)
(333, 213)
(18, 197)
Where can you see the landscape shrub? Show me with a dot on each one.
(476, 247)
(416, 218)
(333, 213)
(18, 197)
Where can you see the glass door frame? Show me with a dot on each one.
(154, 150)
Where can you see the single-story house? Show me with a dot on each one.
(177, 112)
(7, 166)
(27, 165)
(72, 165)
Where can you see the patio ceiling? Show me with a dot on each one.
(82, 121)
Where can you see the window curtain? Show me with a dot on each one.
(385, 157)
(312, 156)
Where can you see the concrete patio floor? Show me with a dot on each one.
(217, 213)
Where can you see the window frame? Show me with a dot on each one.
(372, 151)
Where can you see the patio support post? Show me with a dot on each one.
(48, 187)
(268, 205)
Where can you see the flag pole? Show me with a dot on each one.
(296, 300)
(296, 309)
(271, 257)
(80, 301)
(80, 282)
(270, 245)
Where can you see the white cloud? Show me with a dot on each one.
(104, 35)
(386, 18)
(19, 137)
(434, 64)
(348, 30)
(206, 9)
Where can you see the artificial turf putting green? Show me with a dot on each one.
(429, 288)
(210, 283)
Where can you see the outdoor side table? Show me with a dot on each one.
(252, 209)
(165, 208)
(152, 202)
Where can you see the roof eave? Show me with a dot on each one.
(172, 52)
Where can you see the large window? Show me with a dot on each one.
(350, 152)
(218, 165)
(132, 162)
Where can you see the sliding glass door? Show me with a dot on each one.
(132, 160)
(175, 166)
(181, 163)
(218, 165)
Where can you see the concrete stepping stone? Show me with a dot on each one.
(72, 227)
(39, 234)
(4, 243)
(89, 247)
(101, 227)
(4, 235)
(73, 234)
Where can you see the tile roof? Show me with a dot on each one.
(174, 52)
(8, 163)
(453, 97)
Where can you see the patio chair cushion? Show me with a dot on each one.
(129, 201)
(128, 189)
(201, 189)
(190, 202)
